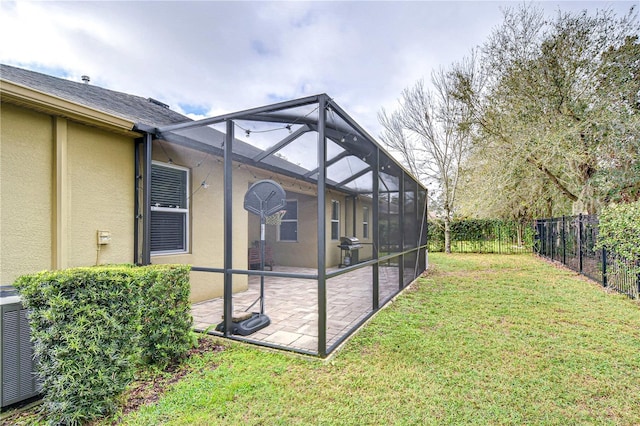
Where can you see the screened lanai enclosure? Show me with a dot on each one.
(348, 233)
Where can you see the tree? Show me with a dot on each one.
(618, 179)
(551, 111)
(429, 134)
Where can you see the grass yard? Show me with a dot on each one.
(482, 339)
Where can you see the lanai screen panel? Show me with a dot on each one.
(423, 231)
(389, 205)
(366, 194)
(410, 229)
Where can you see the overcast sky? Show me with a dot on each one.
(210, 57)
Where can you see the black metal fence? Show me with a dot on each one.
(483, 236)
(572, 240)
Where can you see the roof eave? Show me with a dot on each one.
(44, 102)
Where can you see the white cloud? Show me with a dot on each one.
(212, 57)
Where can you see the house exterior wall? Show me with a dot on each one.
(25, 192)
(303, 253)
(101, 176)
(61, 182)
(206, 220)
(366, 252)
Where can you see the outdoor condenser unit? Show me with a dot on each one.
(17, 366)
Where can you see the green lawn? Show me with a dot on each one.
(482, 339)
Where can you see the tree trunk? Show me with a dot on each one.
(447, 234)
(520, 232)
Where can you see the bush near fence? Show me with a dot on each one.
(605, 249)
(92, 326)
(482, 236)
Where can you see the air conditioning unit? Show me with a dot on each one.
(17, 365)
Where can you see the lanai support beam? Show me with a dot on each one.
(375, 215)
(322, 225)
(228, 228)
(284, 142)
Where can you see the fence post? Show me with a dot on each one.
(580, 241)
(636, 265)
(604, 267)
(553, 224)
(564, 242)
(638, 278)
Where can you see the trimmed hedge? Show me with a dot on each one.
(166, 314)
(92, 326)
(482, 236)
(619, 230)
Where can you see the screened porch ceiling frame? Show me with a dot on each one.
(353, 139)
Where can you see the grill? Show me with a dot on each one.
(349, 247)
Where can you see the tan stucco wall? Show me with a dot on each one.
(25, 192)
(61, 182)
(206, 220)
(101, 195)
(300, 253)
(303, 253)
(366, 252)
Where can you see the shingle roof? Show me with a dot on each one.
(136, 109)
(131, 107)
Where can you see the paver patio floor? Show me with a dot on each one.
(292, 305)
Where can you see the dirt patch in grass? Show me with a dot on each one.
(150, 389)
(143, 391)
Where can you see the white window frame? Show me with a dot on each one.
(335, 220)
(176, 210)
(283, 220)
(365, 222)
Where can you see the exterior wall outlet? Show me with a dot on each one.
(104, 237)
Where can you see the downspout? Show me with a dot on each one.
(136, 209)
(142, 222)
(146, 195)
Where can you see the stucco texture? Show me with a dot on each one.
(25, 192)
(206, 220)
(101, 196)
(96, 167)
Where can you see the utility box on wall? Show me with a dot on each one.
(17, 366)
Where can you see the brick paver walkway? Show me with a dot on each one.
(292, 305)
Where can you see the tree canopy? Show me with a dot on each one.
(556, 108)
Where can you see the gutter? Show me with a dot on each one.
(24, 96)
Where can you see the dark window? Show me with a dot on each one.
(169, 209)
(288, 228)
(365, 222)
(335, 220)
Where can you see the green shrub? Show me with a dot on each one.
(619, 230)
(92, 326)
(482, 235)
(85, 326)
(166, 313)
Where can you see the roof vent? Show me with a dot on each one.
(157, 102)
(86, 79)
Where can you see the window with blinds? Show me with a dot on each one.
(169, 208)
(365, 222)
(288, 227)
(335, 220)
